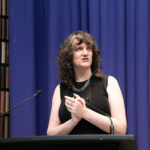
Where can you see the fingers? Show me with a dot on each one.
(75, 105)
(70, 101)
(75, 95)
(69, 107)
(81, 100)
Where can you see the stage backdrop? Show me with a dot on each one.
(38, 27)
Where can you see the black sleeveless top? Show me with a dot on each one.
(97, 99)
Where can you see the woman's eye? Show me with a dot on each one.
(79, 48)
(89, 48)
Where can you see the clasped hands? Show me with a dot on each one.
(76, 106)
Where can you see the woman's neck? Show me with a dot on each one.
(82, 75)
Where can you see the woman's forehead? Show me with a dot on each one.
(77, 42)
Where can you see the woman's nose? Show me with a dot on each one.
(85, 51)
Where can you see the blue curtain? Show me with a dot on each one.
(36, 30)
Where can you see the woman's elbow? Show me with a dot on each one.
(50, 132)
(122, 129)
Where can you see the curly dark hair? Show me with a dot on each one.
(65, 57)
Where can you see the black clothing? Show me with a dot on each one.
(96, 96)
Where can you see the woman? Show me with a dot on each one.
(85, 93)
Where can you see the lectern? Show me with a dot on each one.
(100, 142)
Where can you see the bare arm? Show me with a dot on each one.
(117, 108)
(55, 127)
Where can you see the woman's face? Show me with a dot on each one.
(82, 55)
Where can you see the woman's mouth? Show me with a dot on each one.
(85, 59)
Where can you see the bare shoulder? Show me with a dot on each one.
(113, 84)
(114, 91)
(56, 95)
(112, 80)
(57, 88)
